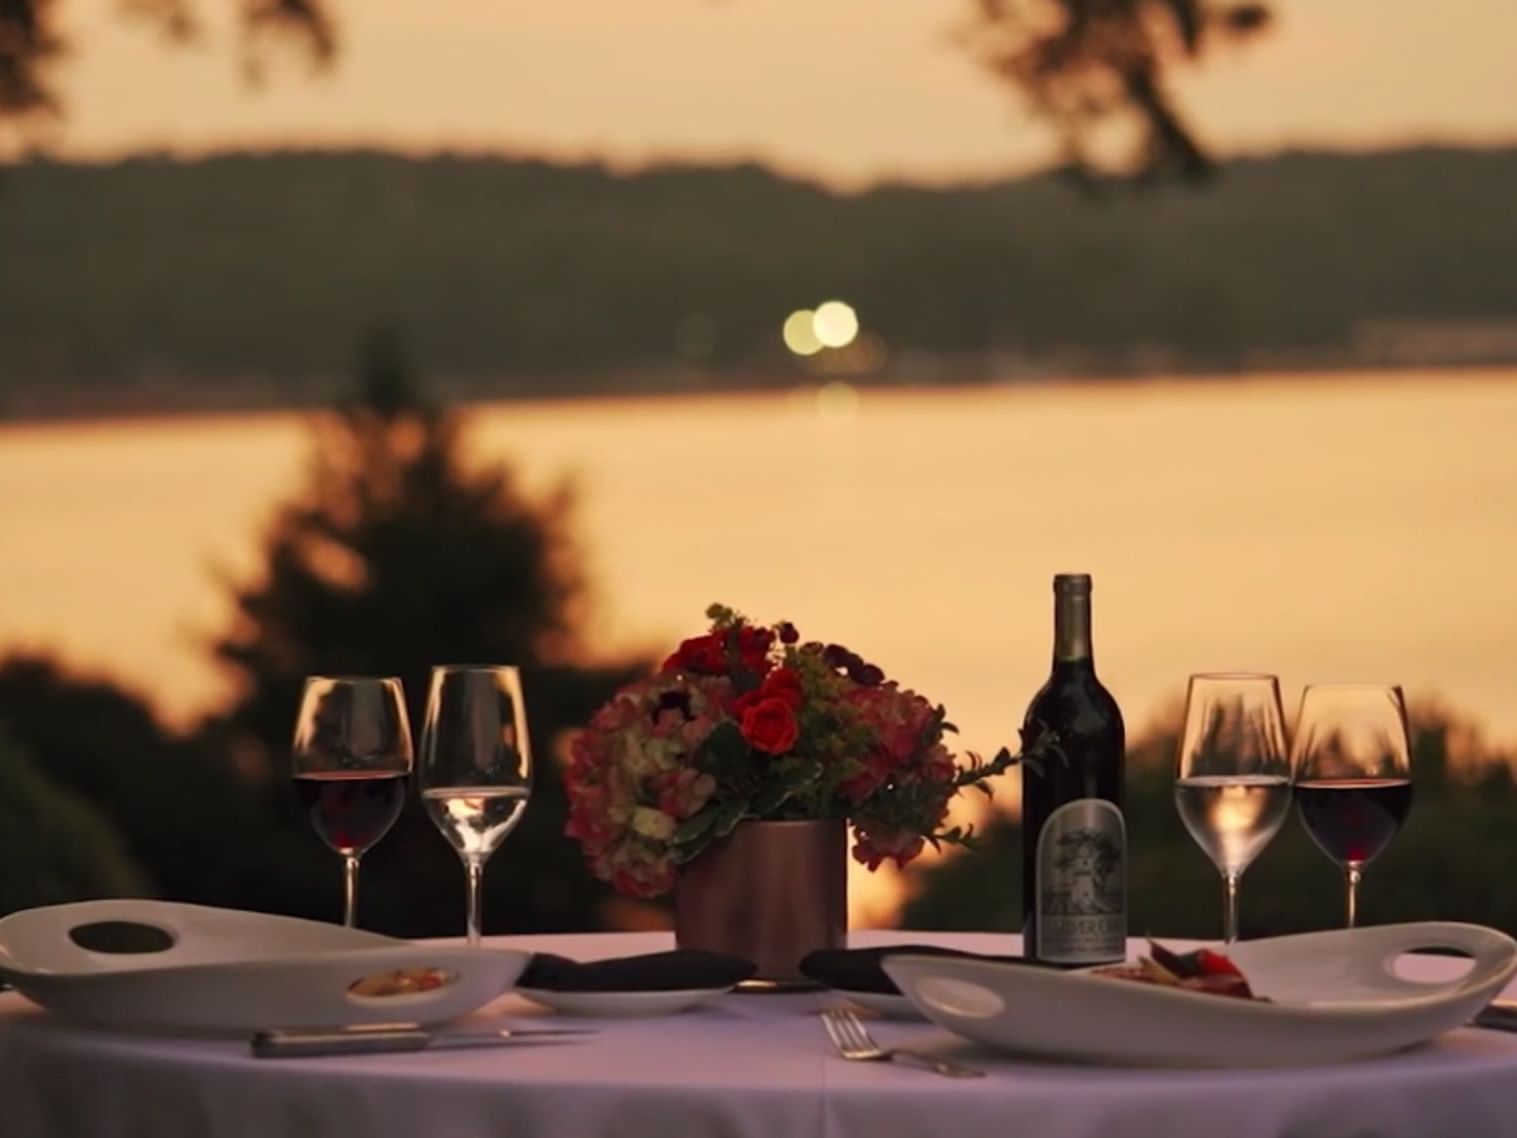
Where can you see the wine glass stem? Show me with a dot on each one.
(1354, 876)
(476, 871)
(350, 889)
(1229, 908)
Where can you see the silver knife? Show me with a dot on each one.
(1500, 1016)
(284, 1043)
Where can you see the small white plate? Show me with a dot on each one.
(882, 1003)
(621, 1004)
(1328, 997)
(194, 968)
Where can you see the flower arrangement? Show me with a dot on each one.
(748, 722)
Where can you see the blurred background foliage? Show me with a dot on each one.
(54, 844)
(393, 557)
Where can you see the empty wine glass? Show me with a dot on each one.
(1353, 771)
(1232, 774)
(476, 765)
(351, 760)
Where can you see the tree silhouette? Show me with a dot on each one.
(1079, 63)
(180, 815)
(32, 43)
(396, 557)
(55, 846)
(1082, 63)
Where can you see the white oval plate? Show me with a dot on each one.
(228, 970)
(882, 1003)
(1334, 996)
(621, 1004)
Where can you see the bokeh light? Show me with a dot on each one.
(835, 324)
(800, 333)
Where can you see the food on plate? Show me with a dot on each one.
(1203, 970)
(402, 982)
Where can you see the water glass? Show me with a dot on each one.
(475, 771)
(1232, 774)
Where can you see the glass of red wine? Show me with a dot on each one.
(352, 760)
(1353, 773)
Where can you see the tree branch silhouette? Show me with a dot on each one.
(33, 45)
(1083, 65)
(1087, 64)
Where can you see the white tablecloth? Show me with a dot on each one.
(753, 1066)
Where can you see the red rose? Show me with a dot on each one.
(784, 684)
(753, 647)
(874, 847)
(704, 655)
(770, 726)
(874, 772)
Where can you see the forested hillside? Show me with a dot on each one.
(215, 272)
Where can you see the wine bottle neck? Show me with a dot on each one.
(1071, 629)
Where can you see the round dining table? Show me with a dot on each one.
(743, 1065)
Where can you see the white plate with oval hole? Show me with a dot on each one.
(621, 1005)
(160, 965)
(1327, 997)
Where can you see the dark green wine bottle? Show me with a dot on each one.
(1074, 838)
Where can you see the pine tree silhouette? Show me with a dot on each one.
(397, 556)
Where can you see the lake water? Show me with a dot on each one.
(1352, 527)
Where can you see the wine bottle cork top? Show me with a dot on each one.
(1071, 583)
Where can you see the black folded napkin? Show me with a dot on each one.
(859, 970)
(682, 969)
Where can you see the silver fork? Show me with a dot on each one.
(853, 1041)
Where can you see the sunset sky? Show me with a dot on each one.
(850, 90)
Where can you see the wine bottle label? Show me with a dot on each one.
(1082, 884)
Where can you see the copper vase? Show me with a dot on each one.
(769, 892)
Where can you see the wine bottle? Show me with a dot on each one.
(1074, 838)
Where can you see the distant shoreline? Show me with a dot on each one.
(247, 283)
(83, 407)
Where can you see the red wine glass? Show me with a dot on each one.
(1353, 773)
(352, 760)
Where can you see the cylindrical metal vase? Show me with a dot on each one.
(769, 892)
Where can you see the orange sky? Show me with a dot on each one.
(847, 89)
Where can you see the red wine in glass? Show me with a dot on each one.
(352, 810)
(1353, 768)
(350, 759)
(1352, 820)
